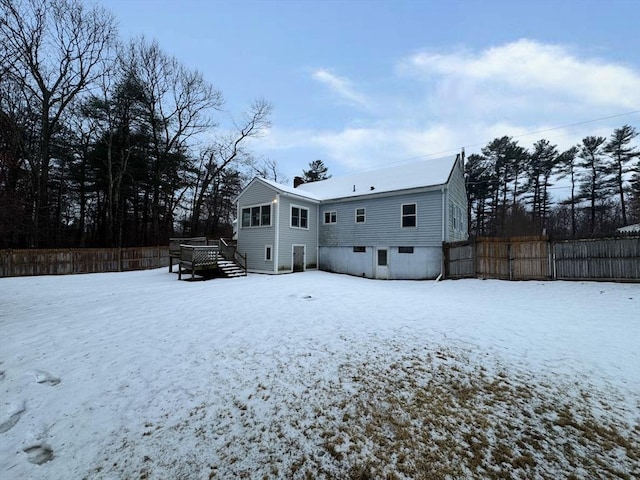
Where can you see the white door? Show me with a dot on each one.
(382, 263)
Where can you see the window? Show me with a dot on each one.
(458, 219)
(382, 257)
(256, 216)
(330, 217)
(299, 217)
(409, 215)
(360, 215)
(265, 216)
(268, 249)
(405, 249)
(359, 249)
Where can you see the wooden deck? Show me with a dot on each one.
(198, 259)
(174, 247)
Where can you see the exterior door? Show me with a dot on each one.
(382, 263)
(298, 258)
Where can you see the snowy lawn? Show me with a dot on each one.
(315, 375)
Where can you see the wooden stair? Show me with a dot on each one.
(229, 268)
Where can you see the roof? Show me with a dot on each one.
(630, 228)
(290, 190)
(406, 176)
(425, 173)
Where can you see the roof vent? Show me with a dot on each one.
(372, 187)
(354, 188)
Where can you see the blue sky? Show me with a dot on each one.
(360, 84)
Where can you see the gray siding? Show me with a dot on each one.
(290, 236)
(457, 197)
(383, 225)
(252, 240)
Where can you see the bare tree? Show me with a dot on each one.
(53, 51)
(178, 104)
(225, 150)
(268, 169)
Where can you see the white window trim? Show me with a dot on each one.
(324, 217)
(291, 207)
(402, 214)
(364, 214)
(268, 248)
(253, 206)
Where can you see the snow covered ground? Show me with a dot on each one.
(316, 375)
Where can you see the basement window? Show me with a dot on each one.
(405, 249)
(359, 249)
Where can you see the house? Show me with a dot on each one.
(629, 228)
(388, 223)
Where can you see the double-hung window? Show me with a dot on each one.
(330, 217)
(256, 216)
(409, 215)
(299, 217)
(360, 215)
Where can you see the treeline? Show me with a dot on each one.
(105, 142)
(589, 189)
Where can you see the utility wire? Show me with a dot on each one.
(452, 150)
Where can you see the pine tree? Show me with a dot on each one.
(621, 154)
(593, 185)
(567, 167)
(317, 171)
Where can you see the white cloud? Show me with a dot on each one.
(442, 102)
(341, 86)
(533, 68)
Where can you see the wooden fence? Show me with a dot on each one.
(597, 259)
(536, 258)
(18, 263)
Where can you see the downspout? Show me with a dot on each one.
(444, 204)
(318, 237)
(276, 247)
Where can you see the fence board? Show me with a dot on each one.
(18, 263)
(535, 258)
(598, 259)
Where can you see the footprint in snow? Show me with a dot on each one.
(1, 374)
(39, 453)
(12, 418)
(44, 377)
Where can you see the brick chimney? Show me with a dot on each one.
(297, 181)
